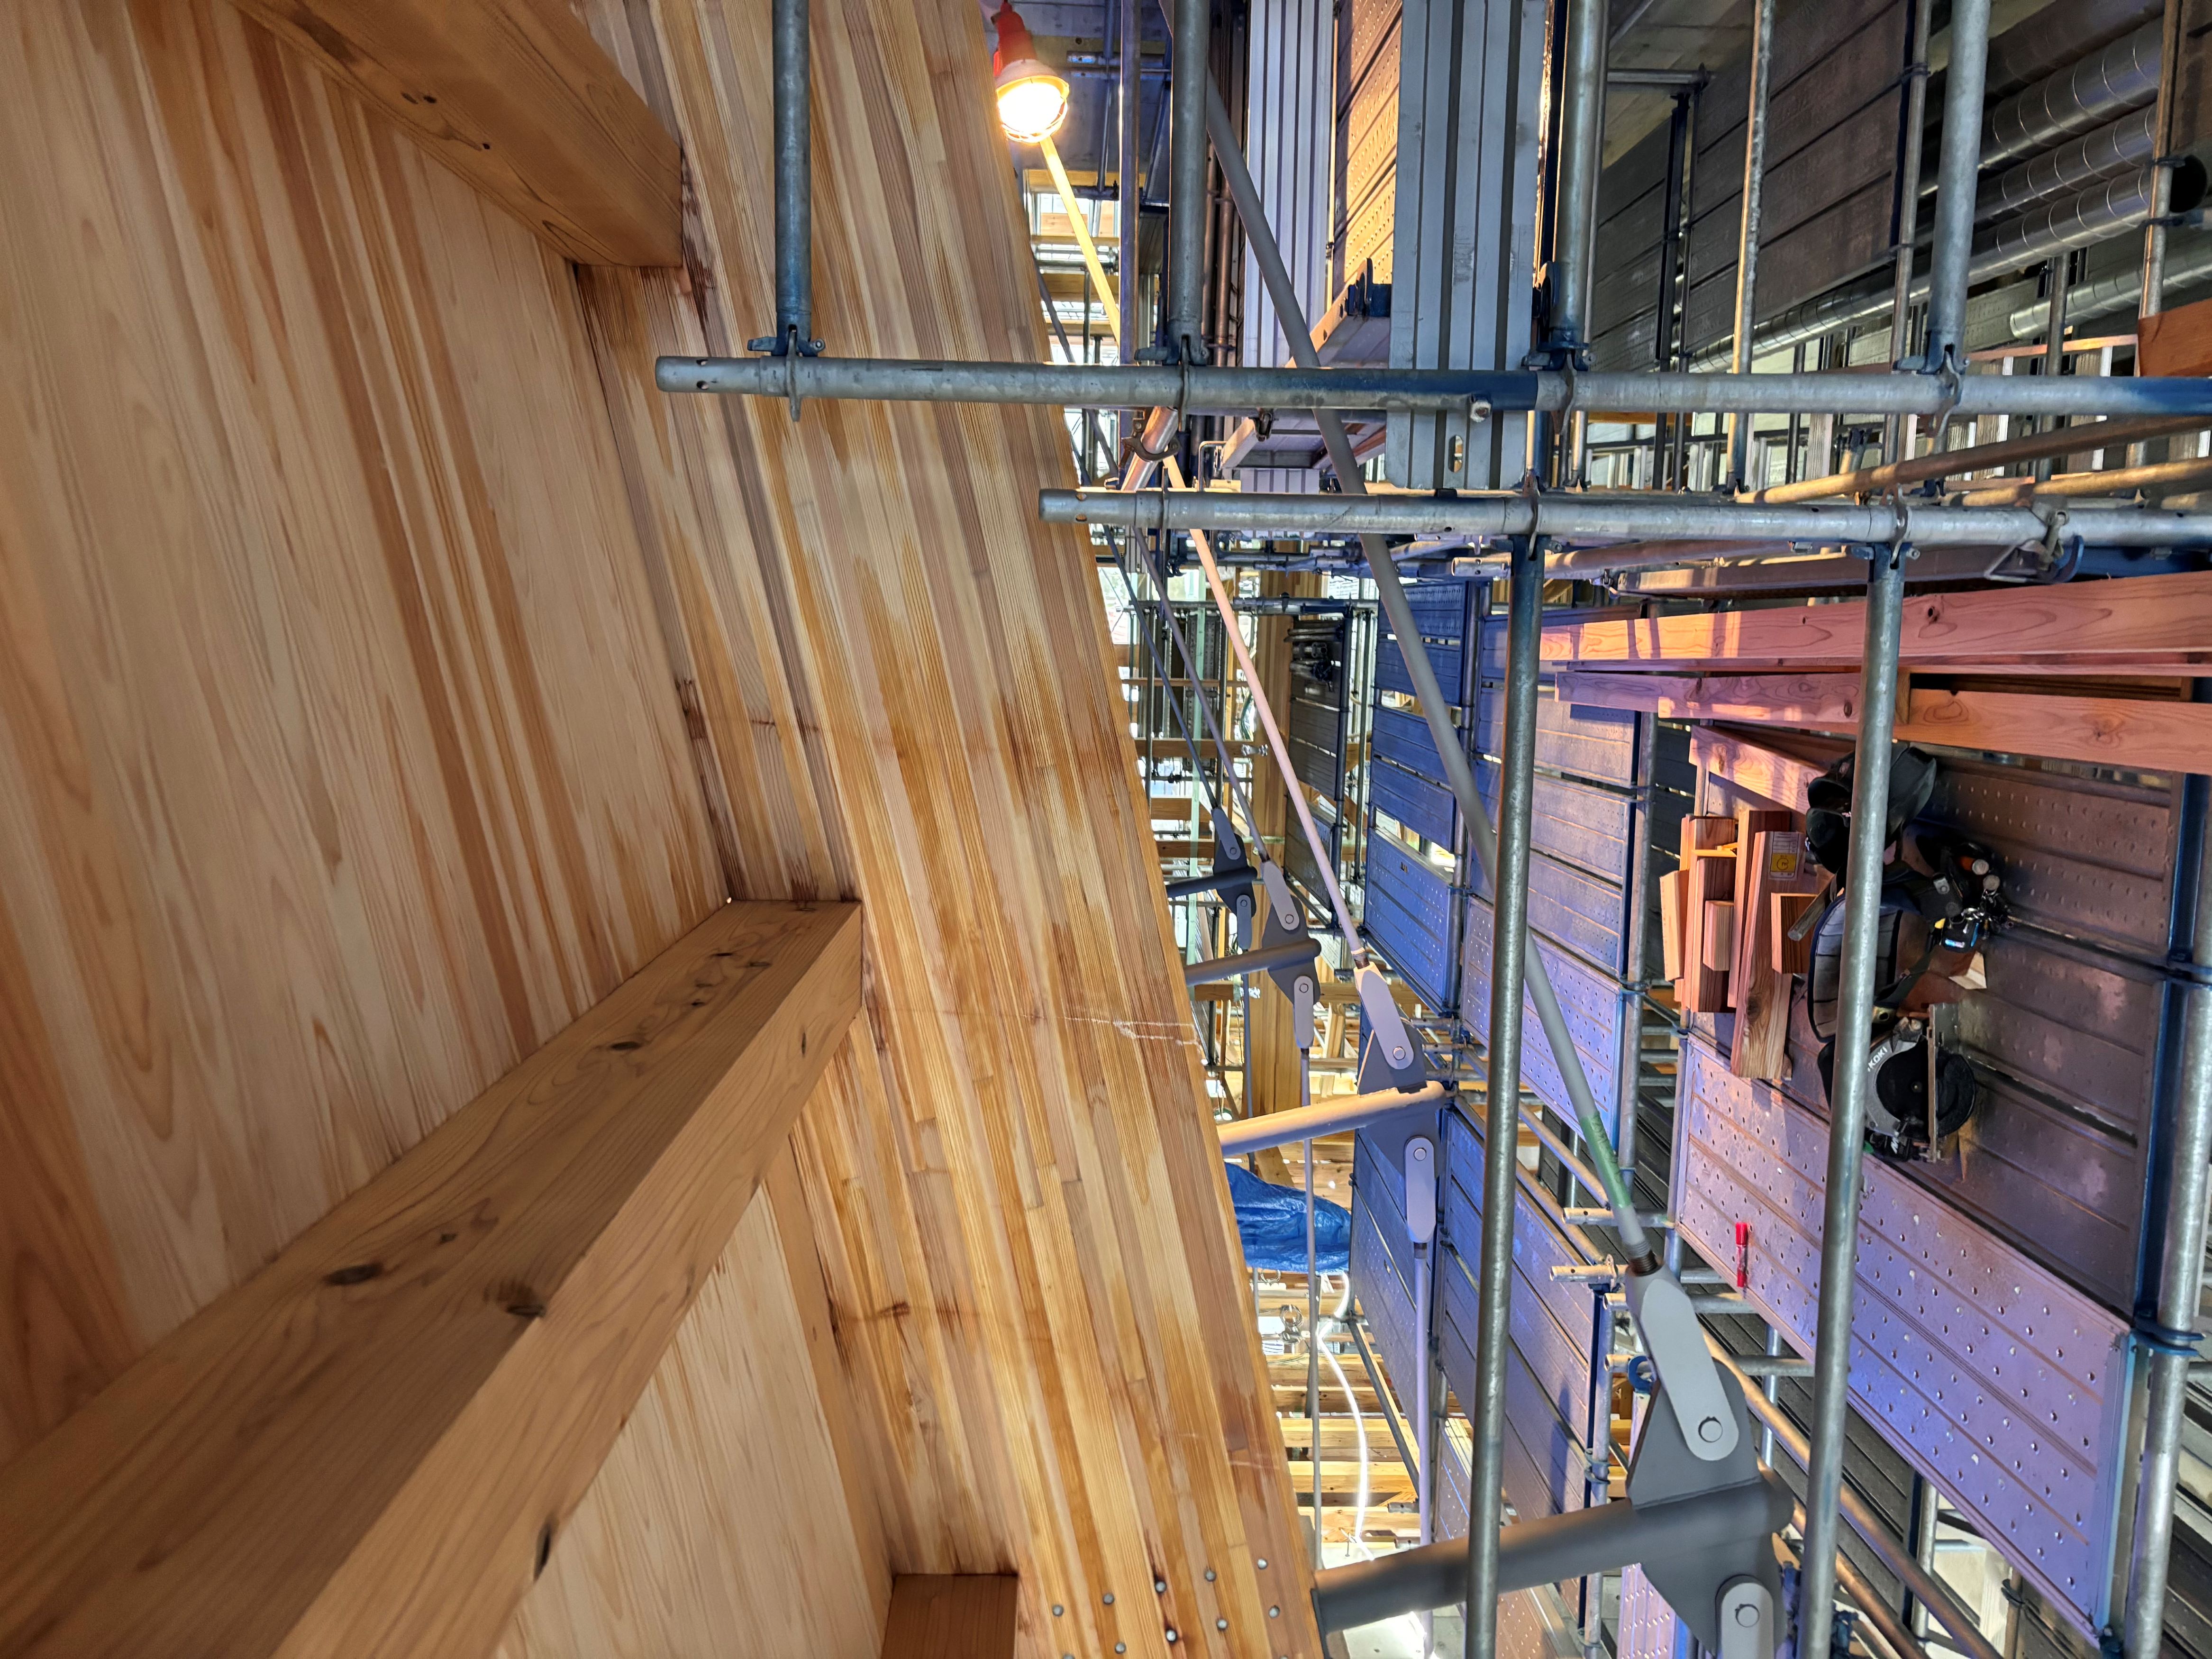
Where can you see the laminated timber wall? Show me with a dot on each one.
(390, 670)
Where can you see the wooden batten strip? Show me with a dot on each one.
(370, 1446)
(516, 97)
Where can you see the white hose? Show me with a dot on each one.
(1358, 1429)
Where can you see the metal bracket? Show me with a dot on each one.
(1421, 1164)
(1394, 1047)
(1676, 1343)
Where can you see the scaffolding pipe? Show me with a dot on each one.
(2154, 260)
(1908, 224)
(1291, 953)
(1499, 515)
(1847, 1101)
(1955, 171)
(1435, 707)
(1130, 98)
(1936, 1596)
(1407, 1454)
(1547, 1549)
(1188, 81)
(1474, 392)
(1582, 136)
(795, 188)
(2159, 478)
(1747, 249)
(2171, 1345)
(1330, 1117)
(1981, 457)
(1517, 795)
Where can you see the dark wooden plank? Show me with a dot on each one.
(952, 1616)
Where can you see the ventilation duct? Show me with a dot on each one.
(2062, 33)
(2127, 144)
(2102, 86)
(2121, 292)
(2096, 214)
(2103, 210)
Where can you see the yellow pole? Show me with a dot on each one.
(1083, 236)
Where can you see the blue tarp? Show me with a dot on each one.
(1272, 1221)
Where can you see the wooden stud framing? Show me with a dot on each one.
(369, 1447)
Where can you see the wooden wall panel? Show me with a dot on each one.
(718, 1524)
(1010, 1178)
(338, 762)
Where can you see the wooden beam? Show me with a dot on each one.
(2106, 626)
(2146, 734)
(2176, 342)
(1818, 701)
(952, 1616)
(517, 97)
(2139, 734)
(369, 1447)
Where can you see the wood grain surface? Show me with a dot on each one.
(369, 1447)
(338, 765)
(372, 628)
(952, 1616)
(2098, 625)
(1010, 1180)
(728, 1491)
(516, 98)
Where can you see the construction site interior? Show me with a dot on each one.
(1105, 828)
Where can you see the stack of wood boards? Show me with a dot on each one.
(391, 671)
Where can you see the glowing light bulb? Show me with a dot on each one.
(1032, 99)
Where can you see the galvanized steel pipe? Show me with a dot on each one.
(1329, 1117)
(1847, 1100)
(1189, 78)
(1546, 1549)
(1129, 96)
(1442, 390)
(1516, 797)
(1908, 226)
(1495, 515)
(2153, 259)
(1960, 159)
(1581, 131)
(794, 185)
(1747, 249)
(2179, 1285)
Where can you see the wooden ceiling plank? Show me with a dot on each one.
(369, 1447)
(517, 97)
